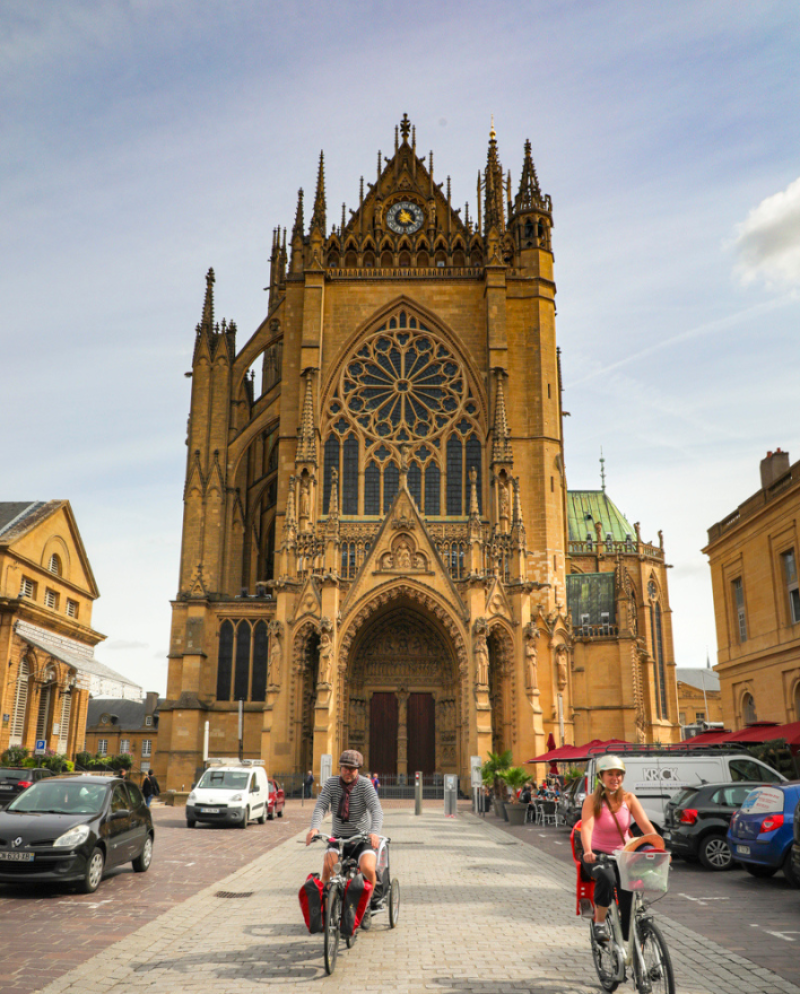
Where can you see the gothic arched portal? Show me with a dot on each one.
(401, 694)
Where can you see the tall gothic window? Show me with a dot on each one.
(403, 397)
(242, 658)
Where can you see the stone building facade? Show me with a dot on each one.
(753, 555)
(47, 590)
(375, 549)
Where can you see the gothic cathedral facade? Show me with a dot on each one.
(376, 537)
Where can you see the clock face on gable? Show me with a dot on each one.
(404, 217)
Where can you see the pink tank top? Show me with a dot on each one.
(605, 837)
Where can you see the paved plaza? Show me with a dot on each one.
(482, 913)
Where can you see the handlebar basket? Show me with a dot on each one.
(647, 872)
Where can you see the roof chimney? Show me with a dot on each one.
(773, 467)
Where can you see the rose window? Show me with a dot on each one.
(402, 394)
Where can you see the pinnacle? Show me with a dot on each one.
(405, 128)
(207, 321)
(318, 218)
(298, 217)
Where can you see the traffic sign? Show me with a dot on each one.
(40, 748)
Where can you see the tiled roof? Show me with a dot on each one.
(585, 507)
(130, 715)
(702, 678)
(17, 516)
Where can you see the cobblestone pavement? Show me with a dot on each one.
(482, 913)
(756, 918)
(45, 931)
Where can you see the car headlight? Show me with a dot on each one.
(236, 797)
(74, 837)
(191, 797)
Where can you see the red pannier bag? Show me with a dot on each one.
(311, 902)
(356, 898)
(584, 886)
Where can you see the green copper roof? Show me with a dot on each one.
(585, 507)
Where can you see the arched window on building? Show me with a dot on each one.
(749, 714)
(241, 676)
(19, 714)
(54, 566)
(660, 674)
(44, 717)
(225, 661)
(402, 397)
(260, 662)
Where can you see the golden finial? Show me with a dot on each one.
(493, 133)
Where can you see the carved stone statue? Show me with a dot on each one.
(419, 561)
(387, 561)
(503, 498)
(561, 667)
(305, 499)
(482, 660)
(531, 665)
(275, 657)
(403, 556)
(325, 656)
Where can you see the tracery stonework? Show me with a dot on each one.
(392, 520)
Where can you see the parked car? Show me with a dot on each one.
(230, 794)
(655, 774)
(73, 829)
(571, 801)
(796, 844)
(697, 820)
(15, 779)
(277, 800)
(761, 832)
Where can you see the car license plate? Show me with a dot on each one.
(17, 857)
(209, 811)
(6, 786)
(743, 850)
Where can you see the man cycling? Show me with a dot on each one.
(355, 808)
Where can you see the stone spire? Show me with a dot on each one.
(474, 514)
(306, 436)
(493, 213)
(298, 217)
(517, 526)
(529, 195)
(207, 321)
(318, 217)
(501, 442)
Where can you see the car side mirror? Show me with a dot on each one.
(193, 786)
(116, 815)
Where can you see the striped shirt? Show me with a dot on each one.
(366, 814)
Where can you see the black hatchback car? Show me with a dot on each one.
(72, 829)
(697, 820)
(15, 779)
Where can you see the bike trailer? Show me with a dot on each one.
(584, 889)
(311, 903)
(356, 899)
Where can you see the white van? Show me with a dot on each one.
(654, 775)
(228, 793)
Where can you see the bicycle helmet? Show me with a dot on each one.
(606, 763)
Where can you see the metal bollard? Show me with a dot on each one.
(417, 793)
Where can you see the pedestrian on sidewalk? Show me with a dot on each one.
(308, 783)
(376, 782)
(150, 787)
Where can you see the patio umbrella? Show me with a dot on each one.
(551, 744)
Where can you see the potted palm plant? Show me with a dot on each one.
(490, 774)
(515, 777)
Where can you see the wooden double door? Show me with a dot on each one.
(402, 734)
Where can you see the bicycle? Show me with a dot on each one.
(387, 888)
(645, 951)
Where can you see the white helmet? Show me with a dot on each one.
(609, 763)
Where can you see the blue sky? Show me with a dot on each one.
(146, 141)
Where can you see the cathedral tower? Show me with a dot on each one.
(375, 543)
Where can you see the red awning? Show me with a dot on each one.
(705, 738)
(759, 731)
(571, 753)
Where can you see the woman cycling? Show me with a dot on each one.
(605, 826)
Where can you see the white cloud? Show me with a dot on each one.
(767, 242)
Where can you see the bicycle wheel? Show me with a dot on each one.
(394, 903)
(606, 962)
(658, 976)
(333, 910)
